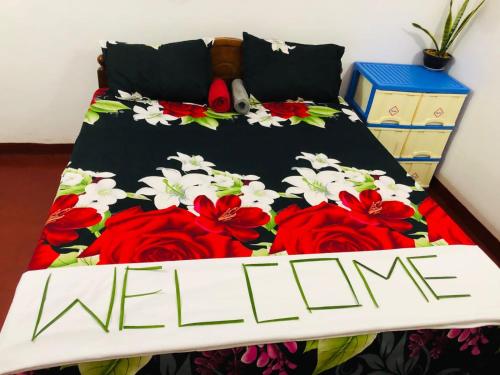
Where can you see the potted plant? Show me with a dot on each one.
(438, 57)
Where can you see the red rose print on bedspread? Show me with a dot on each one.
(172, 233)
(441, 226)
(370, 209)
(60, 228)
(183, 109)
(43, 256)
(64, 218)
(228, 217)
(287, 109)
(329, 228)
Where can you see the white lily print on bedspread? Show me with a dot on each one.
(280, 45)
(255, 194)
(353, 116)
(264, 118)
(134, 97)
(100, 195)
(227, 180)
(192, 163)
(153, 115)
(74, 180)
(390, 190)
(318, 187)
(174, 188)
(319, 161)
(71, 178)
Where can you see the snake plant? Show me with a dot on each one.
(452, 27)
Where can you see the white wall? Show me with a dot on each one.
(48, 48)
(471, 169)
(48, 51)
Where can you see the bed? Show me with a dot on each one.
(152, 181)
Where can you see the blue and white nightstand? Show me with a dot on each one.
(411, 110)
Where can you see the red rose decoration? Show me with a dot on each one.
(371, 210)
(134, 236)
(441, 226)
(43, 257)
(183, 109)
(228, 217)
(328, 228)
(287, 109)
(65, 218)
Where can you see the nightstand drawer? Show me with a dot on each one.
(393, 107)
(425, 143)
(392, 139)
(438, 109)
(421, 171)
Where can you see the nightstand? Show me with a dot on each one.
(411, 110)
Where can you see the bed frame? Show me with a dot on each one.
(226, 60)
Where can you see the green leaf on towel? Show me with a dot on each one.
(100, 225)
(91, 117)
(65, 260)
(271, 223)
(333, 352)
(321, 111)
(137, 196)
(124, 366)
(220, 115)
(107, 106)
(316, 121)
(207, 122)
(294, 120)
(311, 345)
(186, 120)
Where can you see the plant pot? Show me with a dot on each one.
(434, 62)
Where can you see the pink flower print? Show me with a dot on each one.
(470, 338)
(270, 357)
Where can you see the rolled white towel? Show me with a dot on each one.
(240, 97)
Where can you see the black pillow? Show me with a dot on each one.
(175, 71)
(276, 70)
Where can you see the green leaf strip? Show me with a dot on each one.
(203, 323)
(103, 325)
(124, 296)
(303, 295)
(358, 266)
(424, 278)
(250, 294)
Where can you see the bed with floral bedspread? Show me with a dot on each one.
(153, 181)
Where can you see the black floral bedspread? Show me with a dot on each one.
(153, 181)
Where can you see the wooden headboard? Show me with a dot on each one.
(226, 60)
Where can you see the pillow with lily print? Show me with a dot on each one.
(178, 71)
(275, 70)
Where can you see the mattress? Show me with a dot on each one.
(153, 181)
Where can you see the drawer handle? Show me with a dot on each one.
(391, 121)
(422, 154)
(434, 122)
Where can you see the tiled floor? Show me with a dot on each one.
(28, 186)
